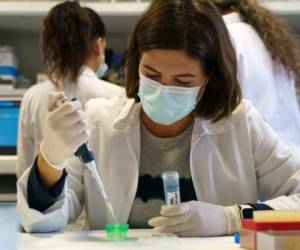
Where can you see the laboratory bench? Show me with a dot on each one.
(138, 239)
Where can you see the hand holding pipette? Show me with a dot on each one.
(68, 131)
(65, 130)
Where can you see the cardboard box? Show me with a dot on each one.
(279, 240)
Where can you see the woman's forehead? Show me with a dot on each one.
(166, 59)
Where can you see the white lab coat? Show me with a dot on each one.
(236, 160)
(266, 85)
(34, 107)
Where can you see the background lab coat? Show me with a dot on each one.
(268, 87)
(34, 108)
(239, 159)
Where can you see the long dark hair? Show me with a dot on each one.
(274, 31)
(197, 28)
(68, 38)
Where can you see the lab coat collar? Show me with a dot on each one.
(130, 115)
(203, 126)
(87, 71)
(68, 86)
(231, 18)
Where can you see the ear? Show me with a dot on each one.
(100, 46)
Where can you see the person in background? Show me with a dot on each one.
(73, 49)
(268, 64)
(182, 111)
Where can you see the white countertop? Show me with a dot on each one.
(147, 239)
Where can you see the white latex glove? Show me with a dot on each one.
(197, 218)
(65, 131)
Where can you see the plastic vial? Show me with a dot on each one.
(171, 187)
(116, 232)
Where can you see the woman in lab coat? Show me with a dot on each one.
(268, 64)
(182, 111)
(73, 48)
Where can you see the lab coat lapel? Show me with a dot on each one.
(129, 123)
(203, 127)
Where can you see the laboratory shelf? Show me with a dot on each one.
(283, 7)
(28, 16)
(8, 197)
(42, 7)
(11, 93)
(8, 164)
(113, 8)
(119, 17)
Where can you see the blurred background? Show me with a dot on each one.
(20, 40)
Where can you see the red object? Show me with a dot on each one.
(265, 226)
(249, 229)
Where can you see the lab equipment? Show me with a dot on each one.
(9, 118)
(8, 66)
(171, 187)
(86, 156)
(116, 232)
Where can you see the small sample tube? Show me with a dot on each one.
(116, 232)
(171, 187)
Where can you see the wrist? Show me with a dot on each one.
(47, 161)
(233, 219)
(48, 174)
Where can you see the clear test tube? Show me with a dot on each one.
(171, 187)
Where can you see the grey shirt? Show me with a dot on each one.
(159, 155)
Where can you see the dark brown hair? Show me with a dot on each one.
(197, 28)
(68, 39)
(274, 31)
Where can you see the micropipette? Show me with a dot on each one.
(86, 156)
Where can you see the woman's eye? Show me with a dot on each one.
(153, 77)
(182, 84)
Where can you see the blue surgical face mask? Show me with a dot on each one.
(102, 70)
(167, 104)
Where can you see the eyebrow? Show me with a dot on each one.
(181, 75)
(185, 75)
(149, 67)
